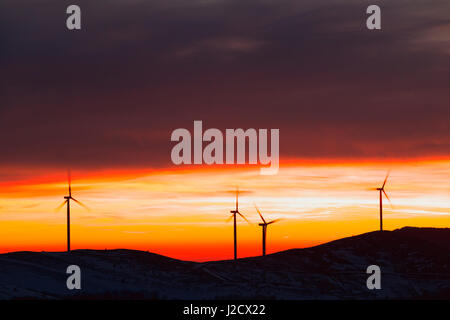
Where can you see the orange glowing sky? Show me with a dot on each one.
(182, 212)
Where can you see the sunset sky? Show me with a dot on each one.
(350, 104)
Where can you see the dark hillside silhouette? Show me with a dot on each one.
(415, 264)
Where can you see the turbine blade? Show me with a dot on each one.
(60, 206)
(387, 176)
(81, 204)
(229, 219)
(388, 198)
(69, 179)
(237, 198)
(273, 221)
(259, 213)
(243, 217)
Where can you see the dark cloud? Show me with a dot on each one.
(110, 94)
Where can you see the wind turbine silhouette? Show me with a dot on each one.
(67, 201)
(264, 225)
(234, 213)
(381, 190)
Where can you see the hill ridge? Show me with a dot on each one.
(415, 263)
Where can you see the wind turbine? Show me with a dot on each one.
(264, 225)
(381, 190)
(67, 201)
(234, 213)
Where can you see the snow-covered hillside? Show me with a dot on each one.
(414, 262)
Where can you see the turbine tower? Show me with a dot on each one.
(264, 225)
(233, 215)
(381, 190)
(67, 201)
